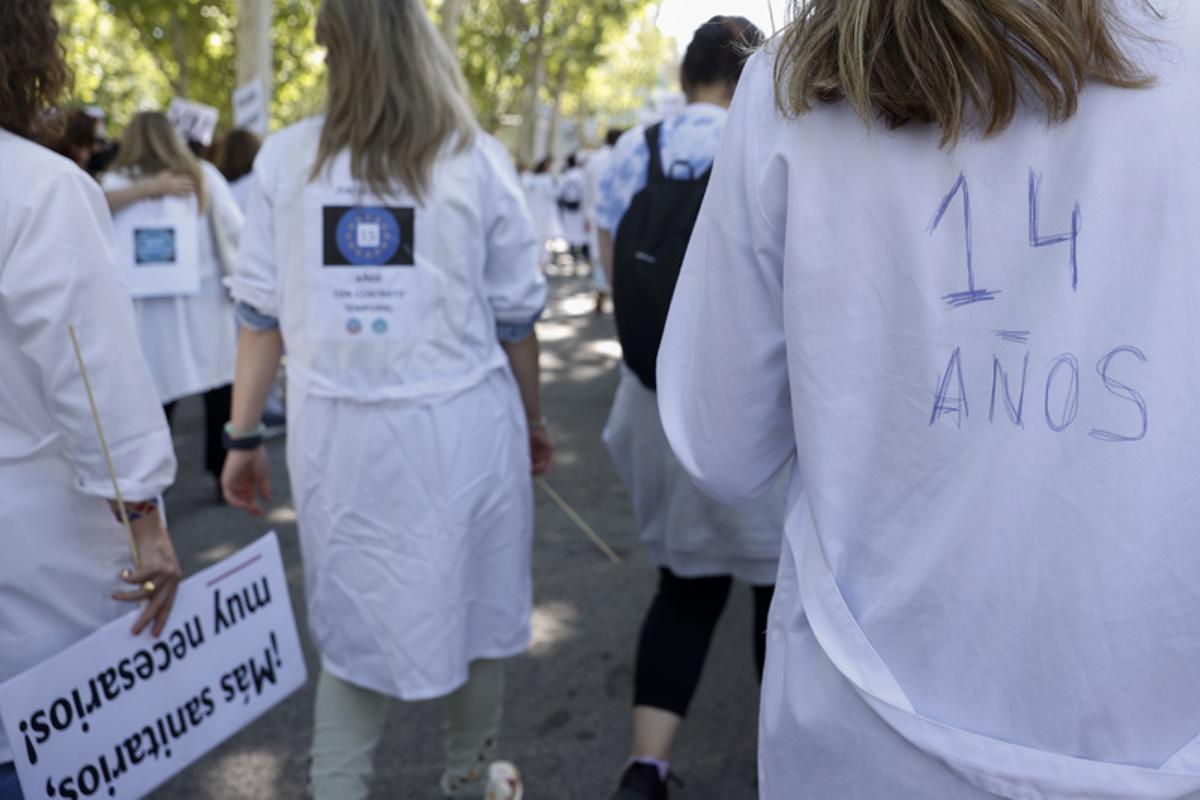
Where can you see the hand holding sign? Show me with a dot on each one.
(157, 577)
(117, 715)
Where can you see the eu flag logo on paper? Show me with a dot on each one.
(368, 236)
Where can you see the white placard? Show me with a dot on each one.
(114, 716)
(194, 121)
(159, 247)
(250, 107)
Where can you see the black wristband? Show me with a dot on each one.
(252, 442)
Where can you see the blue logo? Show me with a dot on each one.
(368, 236)
(154, 246)
(380, 326)
(353, 326)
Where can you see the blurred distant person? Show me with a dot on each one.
(64, 553)
(389, 247)
(572, 189)
(541, 192)
(188, 339)
(947, 262)
(597, 165)
(84, 141)
(235, 158)
(649, 199)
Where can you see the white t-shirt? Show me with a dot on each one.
(983, 361)
(687, 141)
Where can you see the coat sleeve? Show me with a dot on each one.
(226, 213)
(515, 286)
(722, 368)
(63, 270)
(255, 275)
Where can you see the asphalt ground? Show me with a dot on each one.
(568, 699)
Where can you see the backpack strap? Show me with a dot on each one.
(653, 141)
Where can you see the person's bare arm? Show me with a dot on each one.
(162, 184)
(524, 358)
(606, 252)
(246, 476)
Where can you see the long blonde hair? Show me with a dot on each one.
(952, 63)
(396, 96)
(151, 144)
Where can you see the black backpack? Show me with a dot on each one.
(651, 241)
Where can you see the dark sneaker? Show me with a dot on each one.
(641, 782)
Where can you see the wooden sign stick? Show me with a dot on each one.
(124, 512)
(597, 540)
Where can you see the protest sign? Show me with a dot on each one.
(250, 107)
(194, 121)
(117, 715)
(158, 241)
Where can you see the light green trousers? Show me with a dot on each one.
(348, 723)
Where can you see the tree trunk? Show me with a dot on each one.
(253, 45)
(537, 69)
(560, 84)
(451, 13)
(179, 47)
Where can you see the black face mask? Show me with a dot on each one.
(102, 158)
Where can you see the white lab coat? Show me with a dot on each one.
(62, 548)
(190, 341)
(408, 447)
(989, 583)
(541, 192)
(594, 170)
(240, 190)
(573, 184)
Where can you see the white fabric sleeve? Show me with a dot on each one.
(223, 205)
(722, 368)
(63, 270)
(515, 286)
(255, 277)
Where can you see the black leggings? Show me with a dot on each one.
(677, 632)
(217, 403)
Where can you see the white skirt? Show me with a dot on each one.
(416, 528)
(682, 528)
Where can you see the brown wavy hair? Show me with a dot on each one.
(956, 64)
(33, 70)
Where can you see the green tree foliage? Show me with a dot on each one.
(129, 55)
(577, 58)
(513, 51)
(111, 69)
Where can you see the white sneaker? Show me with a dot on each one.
(504, 782)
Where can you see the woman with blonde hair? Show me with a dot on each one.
(947, 261)
(389, 248)
(188, 335)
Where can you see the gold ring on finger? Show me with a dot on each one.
(148, 587)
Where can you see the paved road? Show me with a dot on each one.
(568, 698)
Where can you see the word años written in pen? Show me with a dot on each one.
(1061, 384)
